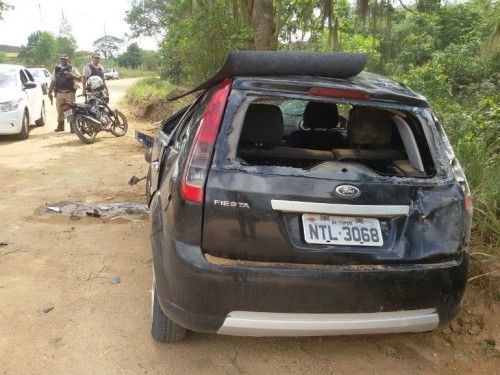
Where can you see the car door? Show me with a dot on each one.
(161, 146)
(33, 94)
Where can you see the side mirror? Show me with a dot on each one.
(30, 85)
(146, 142)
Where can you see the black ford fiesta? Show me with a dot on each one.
(300, 196)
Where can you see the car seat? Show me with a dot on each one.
(319, 120)
(370, 136)
(261, 140)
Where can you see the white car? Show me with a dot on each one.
(21, 101)
(42, 76)
(111, 74)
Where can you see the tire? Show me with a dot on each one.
(162, 328)
(120, 125)
(85, 133)
(24, 134)
(43, 116)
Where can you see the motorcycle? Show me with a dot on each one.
(93, 116)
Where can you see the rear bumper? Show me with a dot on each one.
(286, 300)
(248, 323)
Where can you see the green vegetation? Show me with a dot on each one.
(132, 73)
(148, 99)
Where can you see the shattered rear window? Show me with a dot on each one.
(314, 134)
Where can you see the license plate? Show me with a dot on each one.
(68, 113)
(341, 230)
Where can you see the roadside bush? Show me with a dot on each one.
(148, 99)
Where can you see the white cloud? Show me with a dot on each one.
(89, 20)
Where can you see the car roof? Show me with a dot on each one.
(379, 88)
(306, 69)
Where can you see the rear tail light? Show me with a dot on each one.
(341, 94)
(200, 155)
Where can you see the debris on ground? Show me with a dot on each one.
(105, 210)
(54, 209)
(115, 280)
(48, 309)
(94, 213)
(3, 243)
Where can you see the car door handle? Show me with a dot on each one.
(155, 165)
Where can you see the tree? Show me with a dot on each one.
(108, 45)
(132, 58)
(41, 49)
(66, 43)
(4, 7)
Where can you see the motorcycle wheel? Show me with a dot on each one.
(84, 131)
(120, 125)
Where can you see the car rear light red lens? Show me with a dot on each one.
(195, 174)
(341, 94)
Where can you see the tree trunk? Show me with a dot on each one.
(263, 25)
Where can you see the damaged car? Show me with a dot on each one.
(301, 196)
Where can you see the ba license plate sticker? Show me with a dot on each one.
(341, 230)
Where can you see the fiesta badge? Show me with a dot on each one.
(347, 191)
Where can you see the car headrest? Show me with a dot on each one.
(369, 126)
(319, 115)
(263, 124)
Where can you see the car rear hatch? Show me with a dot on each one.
(268, 202)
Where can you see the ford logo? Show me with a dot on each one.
(347, 191)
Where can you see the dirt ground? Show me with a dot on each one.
(62, 312)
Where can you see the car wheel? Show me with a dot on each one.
(43, 116)
(24, 134)
(162, 328)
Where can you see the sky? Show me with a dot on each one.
(89, 20)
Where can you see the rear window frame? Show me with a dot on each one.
(226, 158)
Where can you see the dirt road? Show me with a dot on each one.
(61, 314)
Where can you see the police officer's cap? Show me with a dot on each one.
(96, 54)
(64, 56)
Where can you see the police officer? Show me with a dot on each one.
(94, 68)
(63, 84)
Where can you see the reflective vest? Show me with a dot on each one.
(99, 71)
(64, 83)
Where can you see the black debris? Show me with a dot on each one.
(94, 213)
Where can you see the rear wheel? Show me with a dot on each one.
(24, 134)
(120, 125)
(84, 130)
(162, 328)
(43, 117)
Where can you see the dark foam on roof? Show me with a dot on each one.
(272, 63)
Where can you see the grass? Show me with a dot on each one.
(134, 73)
(148, 99)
